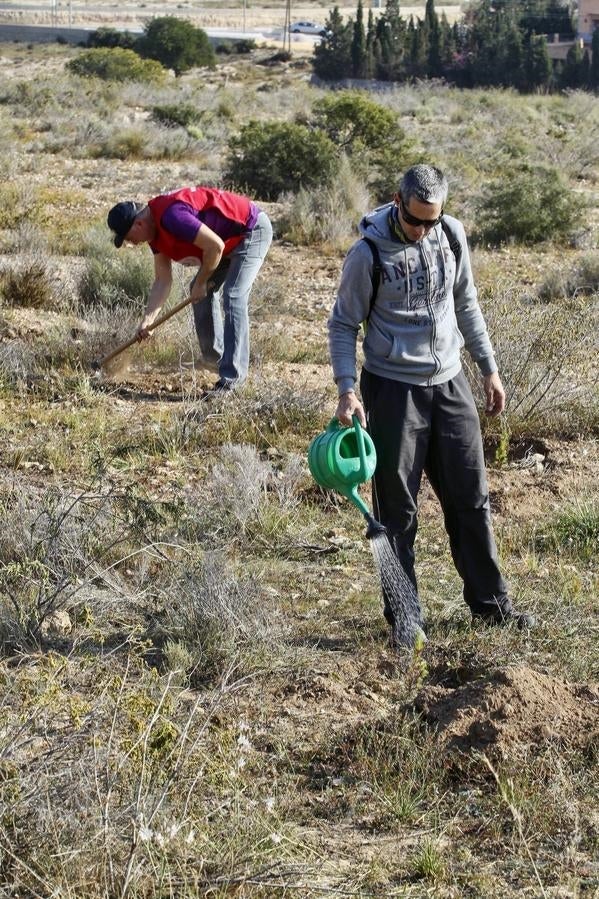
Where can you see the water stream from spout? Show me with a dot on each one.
(400, 592)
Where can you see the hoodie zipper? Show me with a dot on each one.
(429, 305)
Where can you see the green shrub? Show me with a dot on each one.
(583, 278)
(110, 37)
(30, 285)
(115, 64)
(176, 114)
(368, 133)
(113, 277)
(19, 203)
(176, 43)
(527, 205)
(327, 216)
(272, 157)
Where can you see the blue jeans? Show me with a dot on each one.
(226, 343)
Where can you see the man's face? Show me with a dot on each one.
(417, 218)
(142, 230)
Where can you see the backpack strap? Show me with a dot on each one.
(377, 273)
(454, 244)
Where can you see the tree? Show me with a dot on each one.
(390, 43)
(594, 70)
(573, 74)
(368, 134)
(332, 55)
(176, 43)
(433, 39)
(537, 64)
(358, 47)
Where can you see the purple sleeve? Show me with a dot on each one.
(181, 220)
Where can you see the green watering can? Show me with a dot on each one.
(343, 458)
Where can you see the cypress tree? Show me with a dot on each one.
(594, 70)
(370, 41)
(572, 74)
(538, 67)
(358, 47)
(433, 39)
(418, 49)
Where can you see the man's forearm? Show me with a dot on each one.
(157, 297)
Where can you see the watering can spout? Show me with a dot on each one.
(374, 527)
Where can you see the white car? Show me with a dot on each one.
(307, 28)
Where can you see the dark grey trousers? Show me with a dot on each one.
(435, 430)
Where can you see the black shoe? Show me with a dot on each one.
(523, 621)
(221, 388)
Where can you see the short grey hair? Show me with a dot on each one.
(425, 183)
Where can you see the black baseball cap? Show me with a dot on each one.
(120, 219)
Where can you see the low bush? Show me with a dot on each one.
(113, 277)
(116, 64)
(176, 114)
(582, 278)
(28, 285)
(213, 615)
(327, 216)
(527, 205)
(270, 158)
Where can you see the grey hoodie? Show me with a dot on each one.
(420, 321)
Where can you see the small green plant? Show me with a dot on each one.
(176, 114)
(116, 64)
(273, 157)
(575, 531)
(428, 862)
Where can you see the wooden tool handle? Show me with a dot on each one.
(133, 340)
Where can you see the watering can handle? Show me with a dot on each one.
(361, 448)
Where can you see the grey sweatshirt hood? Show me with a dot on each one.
(426, 306)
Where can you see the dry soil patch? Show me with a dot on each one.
(510, 713)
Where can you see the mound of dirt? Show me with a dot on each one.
(510, 712)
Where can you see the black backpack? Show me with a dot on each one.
(377, 268)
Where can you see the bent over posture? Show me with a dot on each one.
(227, 236)
(413, 261)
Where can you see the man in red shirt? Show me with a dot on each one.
(227, 236)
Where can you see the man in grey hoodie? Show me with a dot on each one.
(418, 405)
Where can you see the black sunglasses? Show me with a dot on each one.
(418, 223)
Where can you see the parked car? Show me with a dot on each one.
(307, 28)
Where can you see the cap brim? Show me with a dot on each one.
(118, 240)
